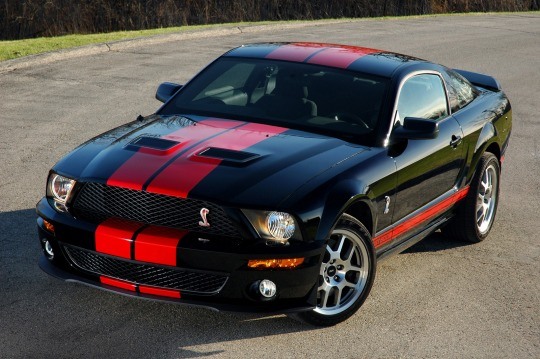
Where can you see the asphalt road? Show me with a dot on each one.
(438, 299)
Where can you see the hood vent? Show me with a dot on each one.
(154, 143)
(232, 156)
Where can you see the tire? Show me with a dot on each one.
(346, 276)
(475, 216)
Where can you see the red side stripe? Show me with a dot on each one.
(158, 245)
(298, 52)
(114, 237)
(340, 57)
(138, 168)
(187, 171)
(159, 291)
(420, 218)
(118, 283)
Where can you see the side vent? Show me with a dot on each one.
(226, 155)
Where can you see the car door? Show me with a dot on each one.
(427, 169)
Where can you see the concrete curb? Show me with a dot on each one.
(53, 56)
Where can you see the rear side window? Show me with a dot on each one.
(422, 96)
(460, 91)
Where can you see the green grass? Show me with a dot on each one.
(19, 48)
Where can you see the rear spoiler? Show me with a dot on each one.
(481, 80)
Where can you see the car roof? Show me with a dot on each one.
(356, 58)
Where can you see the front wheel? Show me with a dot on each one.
(346, 275)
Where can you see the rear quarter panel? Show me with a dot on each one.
(486, 123)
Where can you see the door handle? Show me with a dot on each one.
(455, 141)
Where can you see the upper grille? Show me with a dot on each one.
(197, 282)
(97, 201)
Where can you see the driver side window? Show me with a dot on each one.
(422, 96)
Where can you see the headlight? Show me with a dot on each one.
(273, 225)
(280, 225)
(59, 187)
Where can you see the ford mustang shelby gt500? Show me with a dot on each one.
(276, 178)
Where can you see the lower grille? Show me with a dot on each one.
(146, 274)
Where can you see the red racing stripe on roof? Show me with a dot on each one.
(418, 219)
(297, 52)
(114, 237)
(158, 245)
(340, 57)
(142, 165)
(188, 170)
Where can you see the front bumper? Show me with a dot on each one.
(197, 260)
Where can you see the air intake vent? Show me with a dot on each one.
(228, 155)
(154, 143)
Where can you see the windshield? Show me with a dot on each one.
(295, 95)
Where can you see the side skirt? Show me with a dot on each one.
(411, 241)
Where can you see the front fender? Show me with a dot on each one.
(340, 198)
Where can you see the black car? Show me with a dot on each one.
(277, 177)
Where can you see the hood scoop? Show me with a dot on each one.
(229, 156)
(152, 143)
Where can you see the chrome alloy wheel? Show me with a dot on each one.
(486, 201)
(344, 272)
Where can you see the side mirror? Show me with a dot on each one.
(416, 129)
(166, 90)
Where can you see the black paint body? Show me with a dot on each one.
(314, 177)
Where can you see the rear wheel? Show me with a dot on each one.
(475, 217)
(346, 275)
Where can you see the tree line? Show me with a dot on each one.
(35, 18)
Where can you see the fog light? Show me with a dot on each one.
(48, 249)
(267, 288)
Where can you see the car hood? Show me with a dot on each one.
(225, 161)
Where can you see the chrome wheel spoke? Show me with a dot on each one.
(323, 298)
(338, 296)
(341, 243)
(349, 255)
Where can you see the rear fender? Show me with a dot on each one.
(488, 136)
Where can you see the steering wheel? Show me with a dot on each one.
(351, 118)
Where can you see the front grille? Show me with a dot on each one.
(145, 274)
(96, 202)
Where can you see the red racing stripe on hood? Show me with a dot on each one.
(142, 165)
(188, 170)
(158, 245)
(114, 237)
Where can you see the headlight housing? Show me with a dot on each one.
(59, 189)
(274, 226)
